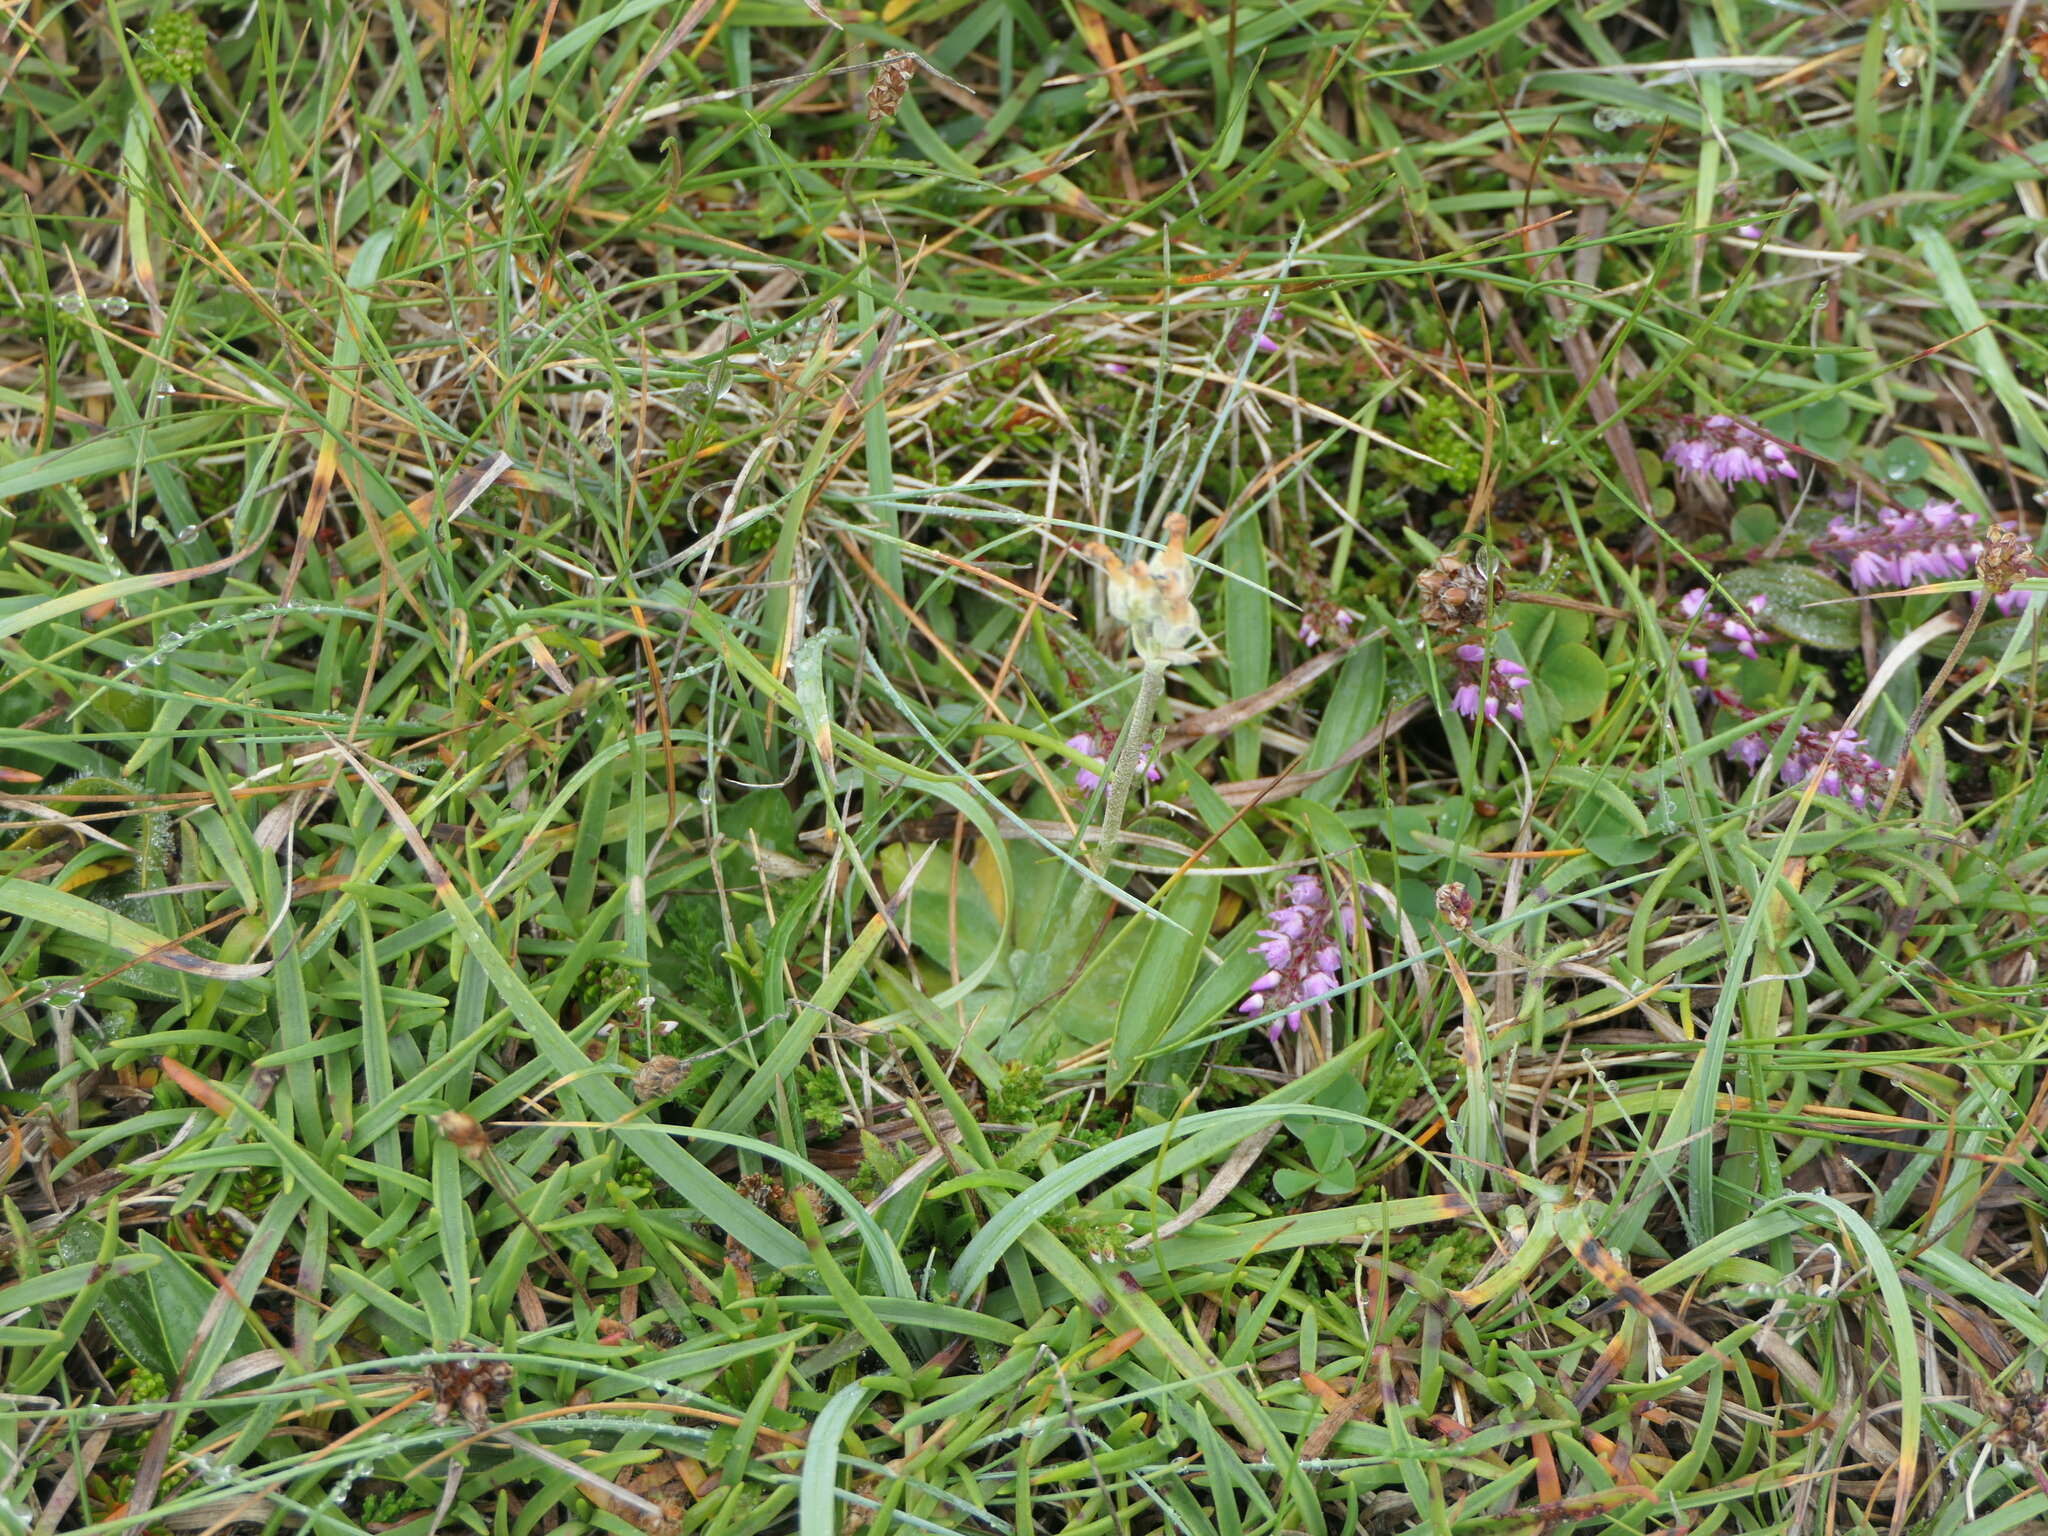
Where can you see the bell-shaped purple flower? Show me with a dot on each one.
(1730, 450)
(1302, 951)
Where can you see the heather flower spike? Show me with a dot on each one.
(1837, 758)
(1488, 690)
(1087, 780)
(1729, 450)
(1720, 631)
(1303, 952)
(1940, 542)
(1322, 618)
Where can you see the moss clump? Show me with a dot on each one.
(173, 50)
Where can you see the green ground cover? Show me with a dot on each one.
(1205, 767)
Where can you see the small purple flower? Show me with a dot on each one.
(1940, 542)
(2011, 603)
(1750, 231)
(1489, 690)
(1730, 449)
(1844, 767)
(1088, 744)
(1301, 953)
(1321, 617)
(1720, 631)
(1249, 329)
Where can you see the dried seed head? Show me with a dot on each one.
(469, 1137)
(468, 1387)
(1154, 601)
(892, 82)
(2005, 560)
(1454, 902)
(785, 1206)
(1455, 595)
(659, 1078)
(759, 1188)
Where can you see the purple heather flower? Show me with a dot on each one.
(1729, 449)
(1750, 231)
(1320, 618)
(2011, 603)
(1494, 690)
(1301, 952)
(1940, 542)
(1721, 631)
(1845, 769)
(1249, 329)
(1088, 744)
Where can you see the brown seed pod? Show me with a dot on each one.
(658, 1078)
(2005, 560)
(468, 1387)
(1454, 902)
(1455, 595)
(892, 81)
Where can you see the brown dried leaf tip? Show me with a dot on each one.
(1456, 595)
(470, 1138)
(892, 82)
(660, 1077)
(468, 1387)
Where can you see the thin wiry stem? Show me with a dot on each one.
(1898, 774)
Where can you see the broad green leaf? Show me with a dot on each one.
(1167, 966)
(1801, 602)
(1577, 677)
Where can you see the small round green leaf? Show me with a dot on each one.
(1902, 461)
(1577, 677)
(1754, 524)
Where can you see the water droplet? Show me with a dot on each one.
(72, 303)
(114, 305)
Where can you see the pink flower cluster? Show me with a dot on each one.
(1940, 542)
(1301, 951)
(1846, 770)
(1319, 618)
(1729, 449)
(1721, 631)
(1493, 690)
(1088, 744)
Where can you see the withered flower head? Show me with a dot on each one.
(658, 1078)
(1456, 595)
(1154, 601)
(1455, 903)
(892, 82)
(468, 1387)
(469, 1137)
(2005, 560)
